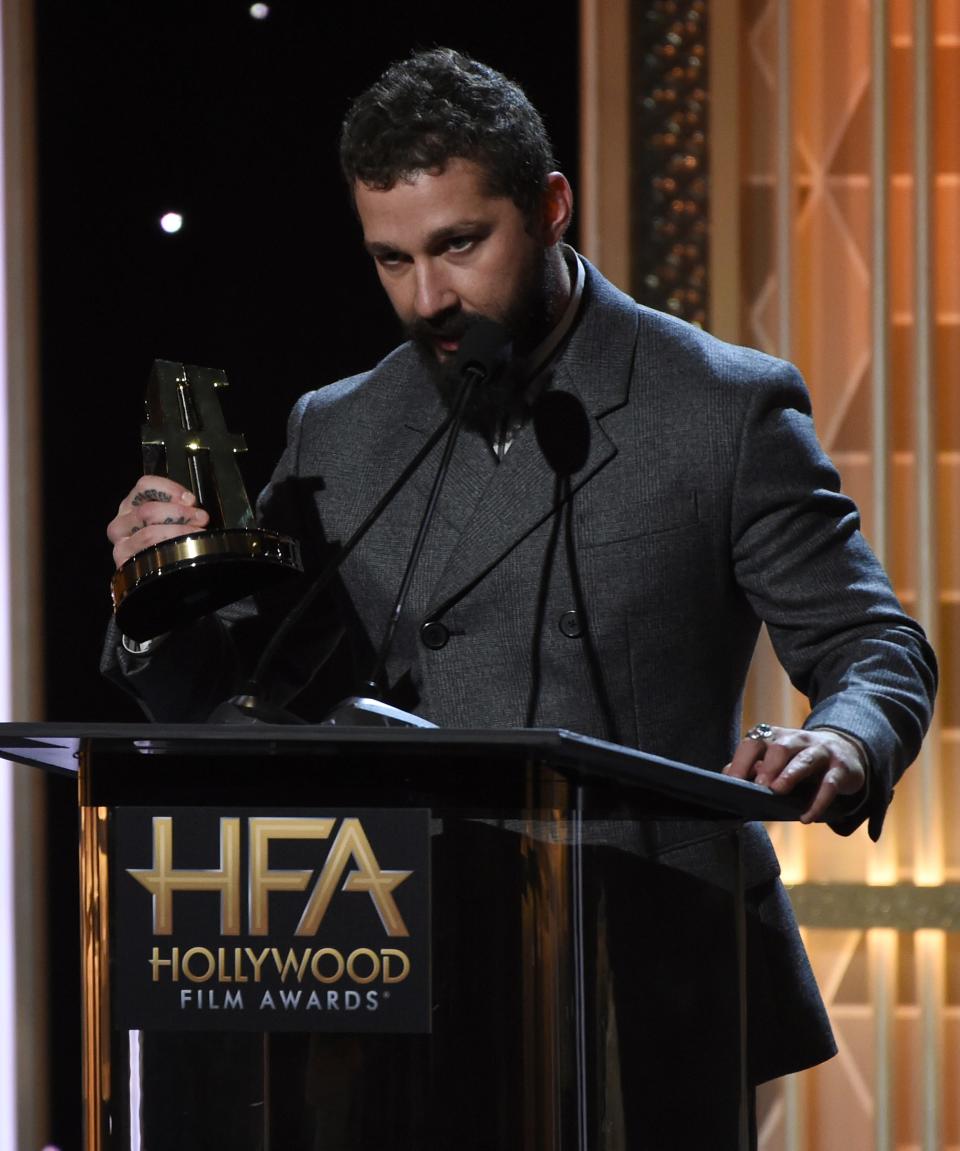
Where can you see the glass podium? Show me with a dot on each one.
(308, 938)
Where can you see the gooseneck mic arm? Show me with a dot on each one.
(483, 353)
(249, 700)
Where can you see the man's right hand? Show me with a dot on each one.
(156, 509)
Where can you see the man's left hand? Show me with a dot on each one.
(784, 756)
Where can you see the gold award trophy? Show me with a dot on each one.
(174, 582)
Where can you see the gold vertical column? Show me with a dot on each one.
(880, 274)
(882, 952)
(784, 179)
(793, 841)
(785, 209)
(931, 957)
(794, 848)
(95, 970)
(725, 170)
(605, 137)
(548, 991)
(929, 837)
(929, 848)
(882, 864)
(882, 944)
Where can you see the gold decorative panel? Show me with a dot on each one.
(850, 222)
(833, 154)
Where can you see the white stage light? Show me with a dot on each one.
(171, 222)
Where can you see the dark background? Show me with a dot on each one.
(193, 106)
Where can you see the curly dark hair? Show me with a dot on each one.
(439, 105)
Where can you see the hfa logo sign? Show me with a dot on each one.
(351, 844)
(279, 920)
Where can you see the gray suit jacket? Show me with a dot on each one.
(703, 507)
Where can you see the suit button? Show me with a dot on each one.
(569, 624)
(434, 635)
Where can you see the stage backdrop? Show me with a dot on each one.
(813, 210)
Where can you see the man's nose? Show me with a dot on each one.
(434, 292)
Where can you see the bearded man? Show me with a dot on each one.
(699, 506)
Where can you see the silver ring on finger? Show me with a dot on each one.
(760, 733)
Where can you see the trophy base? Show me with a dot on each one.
(180, 580)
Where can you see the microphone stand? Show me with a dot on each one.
(471, 377)
(483, 351)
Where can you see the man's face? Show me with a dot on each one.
(447, 251)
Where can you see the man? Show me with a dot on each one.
(699, 505)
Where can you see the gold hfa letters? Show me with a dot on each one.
(351, 843)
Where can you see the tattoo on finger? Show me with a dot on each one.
(176, 520)
(151, 495)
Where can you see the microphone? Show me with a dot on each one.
(563, 432)
(483, 353)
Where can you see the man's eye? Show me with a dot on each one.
(461, 243)
(389, 259)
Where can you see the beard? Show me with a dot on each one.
(528, 316)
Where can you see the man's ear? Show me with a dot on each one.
(556, 208)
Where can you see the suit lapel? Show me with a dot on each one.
(398, 411)
(518, 495)
(472, 467)
(401, 410)
(517, 499)
(487, 508)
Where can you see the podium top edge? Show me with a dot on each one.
(57, 747)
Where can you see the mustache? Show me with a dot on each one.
(449, 325)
